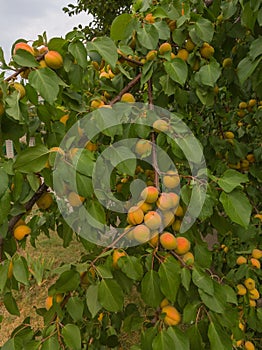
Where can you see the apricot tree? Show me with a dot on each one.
(146, 146)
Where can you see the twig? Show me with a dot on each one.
(138, 63)
(126, 89)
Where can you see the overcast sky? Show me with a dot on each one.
(28, 18)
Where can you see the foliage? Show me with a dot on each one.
(217, 296)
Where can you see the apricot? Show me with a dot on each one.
(257, 253)
(207, 51)
(249, 345)
(45, 201)
(164, 48)
(255, 262)
(2, 108)
(20, 88)
(127, 97)
(145, 206)
(183, 245)
(97, 103)
(241, 260)
(254, 294)
(150, 194)
(154, 240)
(176, 225)
(171, 179)
(188, 258)
(172, 25)
(172, 317)
(241, 290)
(190, 45)
(160, 125)
(49, 300)
(168, 241)
(74, 199)
(23, 46)
(251, 158)
(242, 105)
(164, 201)
(229, 135)
(143, 148)
(64, 119)
(175, 200)
(168, 218)
(20, 222)
(252, 303)
(117, 254)
(250, 283)
(152, 220)
(42, 64)
(135, 215)
(227, 62)
(151, 55)
(252, 102)
(141, 233)
(21, 231)
(10, 270)
(53, 59)
(179, 212)
(150, 18)
(92, 147)
(183, 54)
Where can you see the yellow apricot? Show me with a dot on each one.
(227, 62)
(172, 317)
(141, 233)
(168, 240)
(165, 47)
(74, 199)
(53, 59)
(255, 262)
(45, 201)
(135, 215)
(207, 51)
(183, 245)
(150, 194)
(127, 97)
(241, 260)
(183, 54)
(117, 254)
(257, 253)
(171, 179)
(254, 294)
(160, 125)
(189, 45)
(241, 290)
(250, 283)
(21, 231)
(249, 345)
(152, 220)
(10, 269)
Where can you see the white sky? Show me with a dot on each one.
(29, 18)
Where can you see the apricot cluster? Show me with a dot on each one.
(249, 289)
(248, 107)
(252, 260)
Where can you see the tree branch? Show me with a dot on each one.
(126, 89)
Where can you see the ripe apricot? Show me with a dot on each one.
(141, 233)
(164, 201)
(207, 51)
(152, 220)
(250, 283)
(249, 345)
(241, 260)
(252, 303)
(127, 97)
(53, 59)
(179, 212)
(168, 241)
(175, 200)
(254, 294)
(45, 201)
(143, 148)
(150, 18)
(183, 54)
(172, 317)
(242, 105)
(23, 46)
(135, 215)
(255, 262)
(183, 245)
(252, 102)
(21, 231)
(145, 206)
(64, 119)
(160, 125)
(150, 194)
(171, 179)
(20, 88)
(97, 103)
(164, 303)
(74, 199)
(151, 55)
(165, 47)
(241, 290)
(257, 253)
(49, 300)
(188, 258)
(117, 254)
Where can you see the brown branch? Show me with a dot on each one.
(138, 63)
(126, 89)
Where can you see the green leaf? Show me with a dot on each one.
(203, 28)
(148, 36)
(131, 266)
(237, 207)
(78, 50)
(163, 341)
(119, 27)
(256, 48)
(151, 292)
(3, 275)
(92, 300)
(84, 163)
(106, 48)
(5, 205)
(20, 270)
(32, 159)
(169, 273)
(209, 73)
(185, 278)
(194, 336)
(75, 308)
(232, 179)
(13, 106)
(218, 339)
(177, 70)
(97, 215)
(11, 305)
(202, 280)
(190, 311)
(203, 256)
(248, 17)
(246, 68)
(110, 295)
(180, 341)
(46, 82)
(25, 59)
(51, 344)
(67, 281)
(72, 336)
(212, 302)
